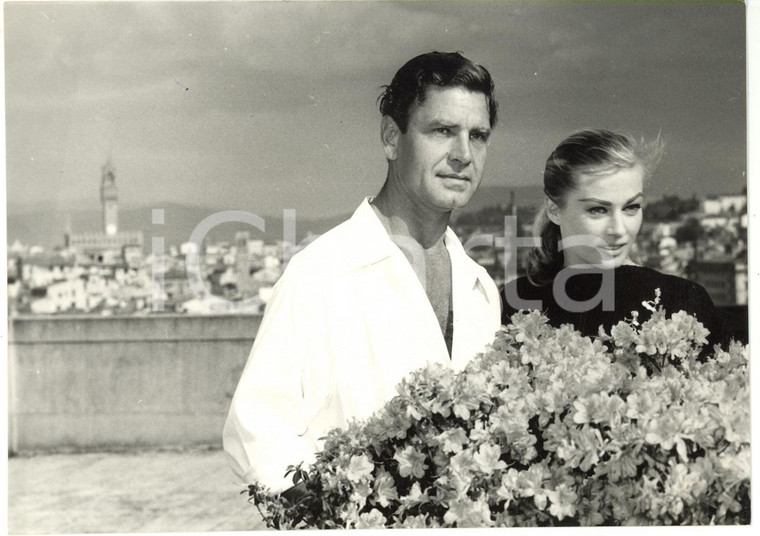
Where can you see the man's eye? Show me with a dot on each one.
(479, 136)
(443, 130)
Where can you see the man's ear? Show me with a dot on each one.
(389, 133)
(552, 210)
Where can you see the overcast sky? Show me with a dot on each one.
(262, 106)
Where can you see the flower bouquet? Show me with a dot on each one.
(545, 428)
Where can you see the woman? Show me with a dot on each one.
(594, 183)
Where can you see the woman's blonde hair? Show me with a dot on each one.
(589, 151)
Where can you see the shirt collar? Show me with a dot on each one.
(374, 245)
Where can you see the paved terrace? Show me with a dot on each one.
(190, 491)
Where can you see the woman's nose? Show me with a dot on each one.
(616, 226)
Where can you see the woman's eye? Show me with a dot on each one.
(597, 210)
(633, 209)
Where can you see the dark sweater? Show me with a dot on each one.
(632, 285)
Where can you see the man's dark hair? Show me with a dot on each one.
(442, 69)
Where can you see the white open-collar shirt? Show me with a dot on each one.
(348, 319)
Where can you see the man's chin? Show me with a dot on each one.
(455, 200)
(449, 207)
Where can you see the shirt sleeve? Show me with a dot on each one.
(266, 428)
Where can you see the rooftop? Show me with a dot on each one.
(142, 491)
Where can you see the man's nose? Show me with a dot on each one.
(461, 150)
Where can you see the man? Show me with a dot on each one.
(382, 294)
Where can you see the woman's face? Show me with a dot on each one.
(603, 215)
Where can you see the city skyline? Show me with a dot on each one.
(264, 106)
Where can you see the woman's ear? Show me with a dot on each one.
(389, 133)
(552, 210)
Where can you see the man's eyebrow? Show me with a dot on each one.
(438, 123)
(607, 203)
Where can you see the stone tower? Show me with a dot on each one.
(109, 197)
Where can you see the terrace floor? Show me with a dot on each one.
(191, 491)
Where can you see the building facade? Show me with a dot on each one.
(109, 246)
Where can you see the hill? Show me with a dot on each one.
(45, 226)
(489, 196)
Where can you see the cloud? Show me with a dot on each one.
(258, 89)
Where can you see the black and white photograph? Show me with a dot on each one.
(377, 264)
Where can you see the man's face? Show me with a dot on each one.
(438, 162)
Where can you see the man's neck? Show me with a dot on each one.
(403, 220)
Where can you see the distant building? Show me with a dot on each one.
(246, 266)
(663, 229)
(720, 204)
(109, 199)
(177, 288)
(39, 271)
(274, 250)
(101, 248)
(132, 255)
(725, 280)
(256, 247)
(66, 295)
(742, 279)
(188, 248)
(17, 248)
(241, 239)
(110, 246)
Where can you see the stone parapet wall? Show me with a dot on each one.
(99, 383)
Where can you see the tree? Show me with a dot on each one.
(690, 231)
